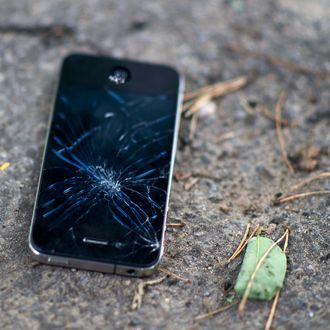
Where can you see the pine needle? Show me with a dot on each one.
(290, 198)
(246, 106)
(309, 180)
(195, 100)
(272, 311)
(215, 312)
(275, 301)
(280, 135)
(239, 250)
(178, 277)
(278, 61)
(179, 224)
(200, 101)
(246, 232)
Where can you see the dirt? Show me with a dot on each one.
(285, 47)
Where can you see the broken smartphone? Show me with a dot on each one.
(105, 181)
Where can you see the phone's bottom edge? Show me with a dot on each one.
(90, 265)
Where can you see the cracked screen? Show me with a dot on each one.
(105, 179)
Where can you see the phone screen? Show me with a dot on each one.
(105, 178)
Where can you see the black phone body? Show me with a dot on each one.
(104, 186)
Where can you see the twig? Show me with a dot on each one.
(275, 301)
(246, 232)
(290, 198)
(169, 273)
(139, 291)
(56, 31)
(280, 136)
(242, 304)
(237, 253)
(309, 180)
(217, 311)
(279, 61)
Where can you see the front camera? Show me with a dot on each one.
(119, 75)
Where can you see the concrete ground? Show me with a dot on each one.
(207, 41)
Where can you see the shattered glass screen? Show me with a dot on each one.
(105, 177)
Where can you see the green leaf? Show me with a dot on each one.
(270, 276)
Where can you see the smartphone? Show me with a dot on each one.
(104, 186)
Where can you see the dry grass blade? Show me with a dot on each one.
(242, 304)
(290, 198)
(239, 250)
(199, 102)
(215, 312)
(194, 101)
(246, 232)
(178, 277)
(280, 136)
(307, 181)
(218, 89)
(275, 301)
(139, 291)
